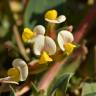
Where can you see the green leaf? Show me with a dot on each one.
(72, 66)
(58, 93)
(37, 7)
(34, 88)
(65, 74)
(58, 81)
(89, 89)
(12, 93)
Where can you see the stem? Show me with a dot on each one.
(51, 30)
(7, 80)
(16, 32)
(19, 43)
(85, 24)
(25, 89)
(50, 75)
(95, 61)
(79, 34)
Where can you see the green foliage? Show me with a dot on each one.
(38, 8)
(58, 81)
(89, 89)
(12, 92)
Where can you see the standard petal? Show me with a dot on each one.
(67, 36)
(39, 29)
(61, 18)
(23, 68)
(49, 45)
(38, 44)
(60, 42)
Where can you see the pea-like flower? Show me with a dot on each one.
(28, 35)
(19, 72)
(51, 16)
(44, 46)
(65, 39)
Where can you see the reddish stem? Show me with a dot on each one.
(79, 34)
(50, 75)
(85, 24)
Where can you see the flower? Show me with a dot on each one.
(44, 46)
(19, 72)
(28, 35)
(65, 39)
(51, 17)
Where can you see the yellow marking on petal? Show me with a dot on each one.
(69, 47)
(27, 34)
(45, 58)
(14, 74)
(51, 14)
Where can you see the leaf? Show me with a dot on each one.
(72, 65)
(62, 79)
(89, 89)
(12, 93)
(34, 88)
(37, 7)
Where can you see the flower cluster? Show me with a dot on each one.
(43, 45)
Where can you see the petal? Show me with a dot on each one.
(51, 21)
(14, 74)
(39, 29)
(58, 20)
(27, 35)
(61, 18)
(51, 14)
(38, 44)
(64, 37)
(49, 46)
(23, 68)
(69, 47)
(45, 58)
(60, 42)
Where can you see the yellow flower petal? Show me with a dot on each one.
(27, 34)
(44, 58)
(51, 14)
(14, 73)
(69, 47)
(22, 67)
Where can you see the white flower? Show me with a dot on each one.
(60, 19)
(65, 39)
(44, 46)
(44, 43)
(22, 67)
(51, 17)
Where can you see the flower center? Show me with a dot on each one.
(51, 14)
